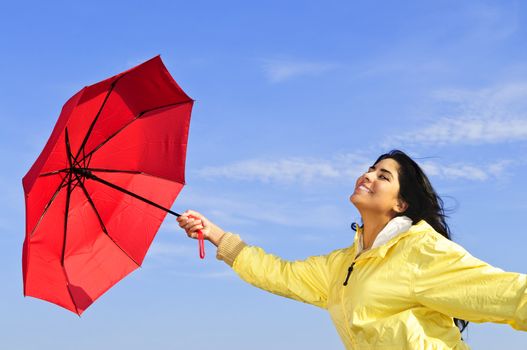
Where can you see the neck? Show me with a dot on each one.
(373, 225)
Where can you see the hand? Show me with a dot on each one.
(192, 221)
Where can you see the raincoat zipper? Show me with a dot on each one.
(350, 270)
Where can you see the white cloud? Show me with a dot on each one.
(467, 171)
(468, 131)
(463, 171)
(339, 168)
(491, 102)
(281, 70)
(498, 169)
(473, 116)
(289, 170)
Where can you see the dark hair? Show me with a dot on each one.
(423, 202)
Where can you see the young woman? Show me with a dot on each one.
(403, 284)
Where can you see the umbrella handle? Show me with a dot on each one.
(201, 243)
(201, 240)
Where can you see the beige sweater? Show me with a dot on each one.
(229, 247)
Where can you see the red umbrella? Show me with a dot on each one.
(100, 189)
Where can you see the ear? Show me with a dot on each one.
(401, 206)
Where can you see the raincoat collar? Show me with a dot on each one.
(394, 230)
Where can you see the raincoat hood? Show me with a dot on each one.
(394, 227)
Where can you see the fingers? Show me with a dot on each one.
(192, 213)
(187, 221)
(192, 222)
(193, 227)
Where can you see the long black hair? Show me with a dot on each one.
(423, 202)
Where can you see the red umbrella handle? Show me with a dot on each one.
(201, 243)
(201, 240)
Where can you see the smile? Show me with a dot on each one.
(364, 189)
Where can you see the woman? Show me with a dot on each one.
(403, 284)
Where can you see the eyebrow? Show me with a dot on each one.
(383, 170)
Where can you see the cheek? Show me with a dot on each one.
(385, 190)
(392, 195)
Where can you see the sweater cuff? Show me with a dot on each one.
(229, 247)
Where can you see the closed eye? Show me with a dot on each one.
(372, 168)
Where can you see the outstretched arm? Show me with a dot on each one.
(305, 280)
(450, 280)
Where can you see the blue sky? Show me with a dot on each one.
(293, 100)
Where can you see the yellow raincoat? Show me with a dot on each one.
(400, 295)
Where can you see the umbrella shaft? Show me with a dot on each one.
(135, 195)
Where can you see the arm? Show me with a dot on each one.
(306, 280)
(448, 279)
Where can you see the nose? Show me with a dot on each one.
(368, 176)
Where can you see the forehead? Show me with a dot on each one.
(388, 164)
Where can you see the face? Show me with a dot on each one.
(377, 190)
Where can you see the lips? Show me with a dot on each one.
(363, 187)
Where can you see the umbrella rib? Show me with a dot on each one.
(97, 117)
(61, 185)
(66, 214)
(103, 227)
(108, 139)
(135, 172)
(175, 104)
(54, 172)
(135, 195)
(51, 200)
(89, 154)
(68, 149)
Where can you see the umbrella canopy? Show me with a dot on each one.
(99, 190)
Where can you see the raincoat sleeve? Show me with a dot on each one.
(306, 280)
(450, 280)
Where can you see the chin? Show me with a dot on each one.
(353, 199)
